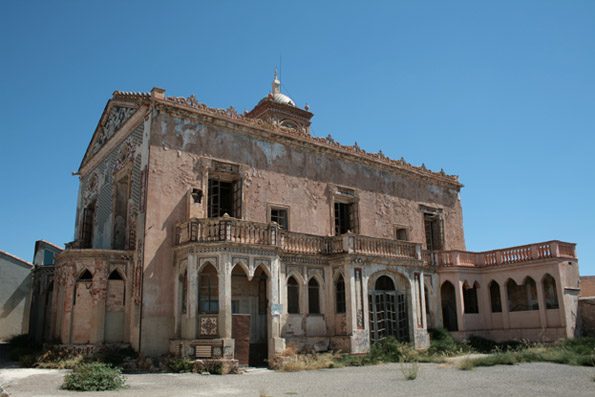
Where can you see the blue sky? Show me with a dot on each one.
(501, 93)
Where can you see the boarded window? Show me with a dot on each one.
(470, 299)
(495, 299)
(313, 297)
(549, 292)
(402, 234)
(340, 295)
(293, 296)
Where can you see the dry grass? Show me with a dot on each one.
(305, 362)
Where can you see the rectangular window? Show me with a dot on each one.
(224, 198)
(87, 226)
(279, 215)
(402, 234)
(434, 231)
(345, 218)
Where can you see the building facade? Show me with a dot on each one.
(213, 234)
(15, 295)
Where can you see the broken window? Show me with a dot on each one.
(402, 234)
(340, 295)
(434, 231)
(522, 297)
(87, 226)
(224, 197)
(345, 218)
(279, 215)
(184, 293)
(495, 299)
(313, 297)
(208, 291)
(549, 292)
(293, 296)
(470, 299)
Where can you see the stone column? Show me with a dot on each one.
(224, 276)
(541, 302)
(459, 304)
(504, 301)
(276, 344)
(191, 298)
(422, 292)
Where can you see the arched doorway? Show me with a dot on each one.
(388, 311)
(249, 305)
(449, 306)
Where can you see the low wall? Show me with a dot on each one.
(550, 334)
(586, 314)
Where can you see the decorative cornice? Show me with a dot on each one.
(192, 103)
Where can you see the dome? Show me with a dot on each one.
(282, 99)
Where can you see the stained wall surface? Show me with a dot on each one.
(273, 172)
(15, 295)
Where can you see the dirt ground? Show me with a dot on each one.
(538, 379)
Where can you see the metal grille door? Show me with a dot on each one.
(388, 315)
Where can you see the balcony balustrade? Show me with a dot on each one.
(227, 229)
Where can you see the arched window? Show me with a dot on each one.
(313, 297)
(449, 311)
(384, 283)
(86, 276)
(340, 294)
(470, 299)
(522, 297)
(208, 290)
(549, 292)
(293, 296)
(495, 299)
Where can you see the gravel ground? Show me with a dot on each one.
(537, 379)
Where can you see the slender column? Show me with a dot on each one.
(541, 301)
(192, 296)
(459, 304)
(275, 297)
(224, 277)
(422, 292)
(504, 301)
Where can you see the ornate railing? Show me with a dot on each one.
(270, 234)
(513, 255)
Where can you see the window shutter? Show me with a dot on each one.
(237, 199)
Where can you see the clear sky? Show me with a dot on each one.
(501, 93)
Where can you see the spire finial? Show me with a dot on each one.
(276, 84)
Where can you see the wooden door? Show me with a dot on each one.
(240, 332)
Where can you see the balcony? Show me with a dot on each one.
(506, 256)
(227, 229)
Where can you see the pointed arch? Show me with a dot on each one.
(495, 297)
(85, 275)
(340, 299)
(116, 274)
(449, 306)
(550, 293)
(313, 295)
(208, 289)
(470, 301)
(293, 295)
(522, 297)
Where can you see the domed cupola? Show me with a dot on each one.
(280, 109)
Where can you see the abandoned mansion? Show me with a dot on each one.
(206, 233)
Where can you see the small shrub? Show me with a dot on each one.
(215, 368)
(409, 370)
(465, 364)
(180, 364)
(94, 376)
